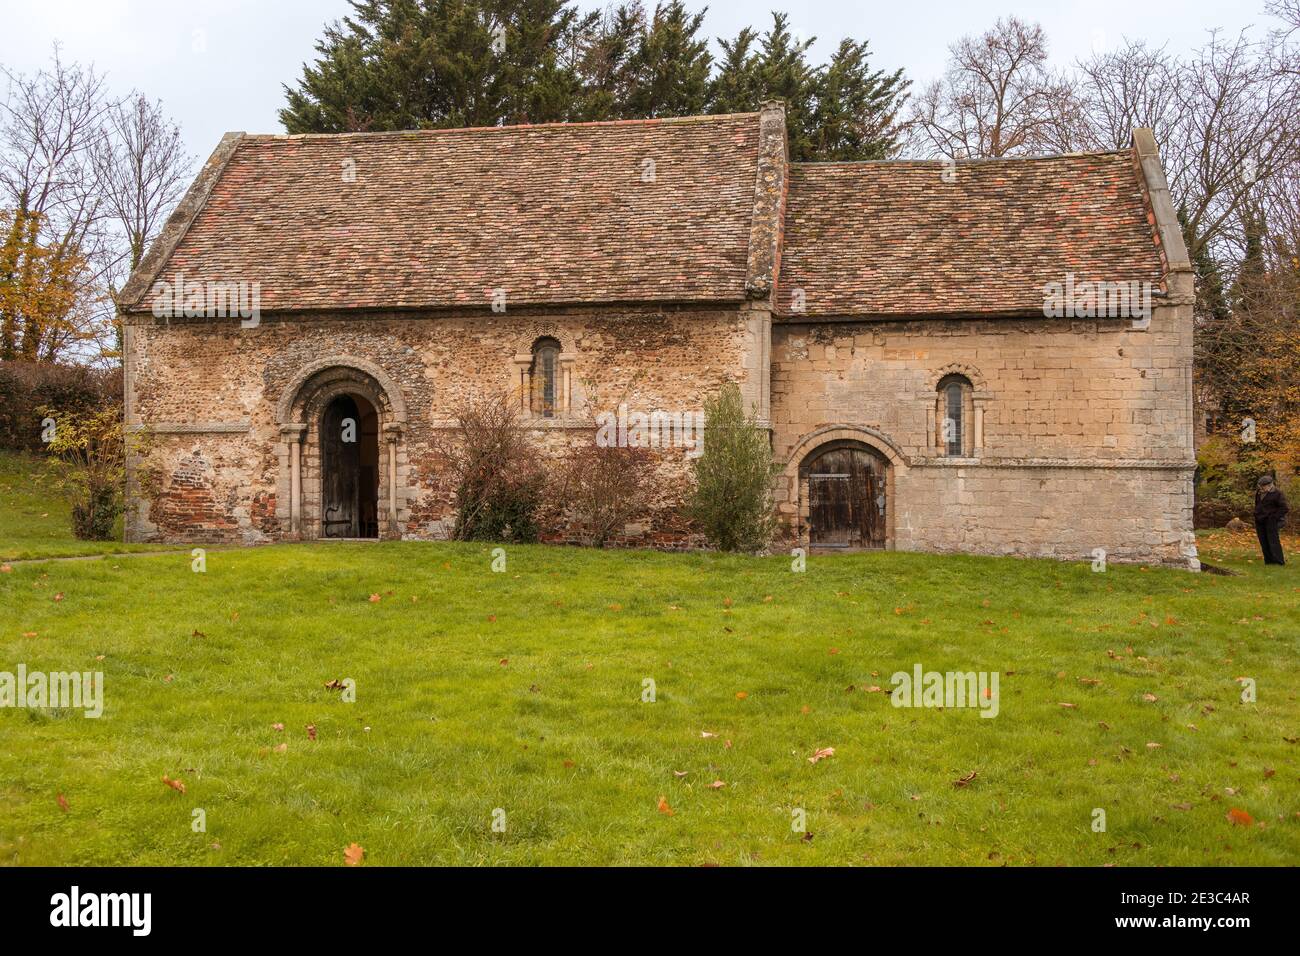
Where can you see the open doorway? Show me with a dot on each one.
(349, 438)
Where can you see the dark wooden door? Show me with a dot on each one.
(340, 469)
(846, 499)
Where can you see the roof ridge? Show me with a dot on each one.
(646, 121)
(905, 161)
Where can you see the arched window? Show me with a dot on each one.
(951, 419)
(545, 374)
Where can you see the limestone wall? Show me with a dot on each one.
(1079, 431)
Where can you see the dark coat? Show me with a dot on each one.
(1270, 505)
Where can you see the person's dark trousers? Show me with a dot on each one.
(1270, 541)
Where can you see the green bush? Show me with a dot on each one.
(93, 519)
(87, 461)
(732, 499)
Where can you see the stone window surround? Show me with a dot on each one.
(521, 378)
(976, 400)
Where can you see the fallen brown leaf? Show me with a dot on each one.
(1240, 818)
(822, 754)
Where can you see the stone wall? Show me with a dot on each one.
(214, 394)
(1079, 432)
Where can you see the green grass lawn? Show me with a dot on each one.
(522, 691)
(35, 523)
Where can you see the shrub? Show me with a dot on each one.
(732, 499)
(87, 461)
(29, 390)
(600, 489)
(495, 472)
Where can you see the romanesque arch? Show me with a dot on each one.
(969, 372)
(336, 370)
(976, 403)
(809, 449)
(303, 405)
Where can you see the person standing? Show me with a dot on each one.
(1270, 511)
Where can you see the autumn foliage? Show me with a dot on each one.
(38, 290)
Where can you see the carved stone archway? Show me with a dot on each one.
(298, 413)
(812, 445)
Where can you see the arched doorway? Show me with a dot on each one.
(847, 496)
(349, 441)
(335, 488)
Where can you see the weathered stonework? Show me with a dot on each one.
(657, 260)
(252, 394)
(1081, 430)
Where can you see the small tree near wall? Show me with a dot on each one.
(495, 472)
(732, 501)
(87, 460)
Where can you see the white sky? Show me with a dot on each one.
(218, 65)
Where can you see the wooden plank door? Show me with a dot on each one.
(846, 500)
(340, 471)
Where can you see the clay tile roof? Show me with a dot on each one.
(895, 239)
(557, 213)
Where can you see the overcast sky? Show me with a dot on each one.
(218, 65)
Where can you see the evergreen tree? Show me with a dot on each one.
(736, 87)
(856, 111)
(784, 74)
(732, 499)
(605, 45)
(531, 83)
(415, 64)
(669, 70)
(842, 111)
